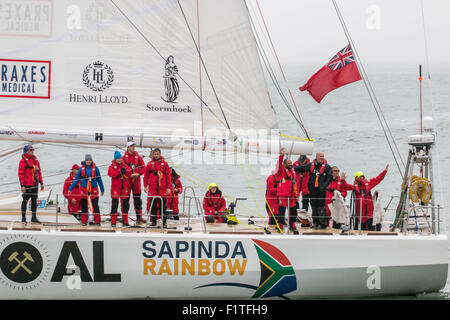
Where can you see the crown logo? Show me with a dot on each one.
(98, 64)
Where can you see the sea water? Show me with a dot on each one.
(344, 126)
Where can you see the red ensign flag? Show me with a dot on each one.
(341, 70)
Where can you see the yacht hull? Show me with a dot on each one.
(124, 265)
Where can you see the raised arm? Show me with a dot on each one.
(374, 181)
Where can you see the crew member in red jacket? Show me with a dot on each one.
(157, 182)
(362, 188)
(137, 165)
(337, 183)
(271, 198)
(302, 179)
(214, 204)
(73, 200)
(30, 176)
(120, 179)
(287, 191)
(176, 189)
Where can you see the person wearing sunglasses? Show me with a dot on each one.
(30, 176)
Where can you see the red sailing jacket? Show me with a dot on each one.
(302, 178)
(72, 207)
(30, 171)
(119, 182)
(137, 165)
(175, 190)
(287, 186)
(157, 177)
(362, 190)
(214, 202)
(271, 193)
(339, 185)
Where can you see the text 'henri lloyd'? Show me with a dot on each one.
(201, 258)
(98, 77)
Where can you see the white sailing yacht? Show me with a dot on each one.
(178, 75)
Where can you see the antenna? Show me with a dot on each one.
(420, 82)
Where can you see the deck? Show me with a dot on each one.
(11, 220)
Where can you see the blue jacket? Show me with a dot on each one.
(83, 182)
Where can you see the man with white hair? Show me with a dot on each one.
(319, 179)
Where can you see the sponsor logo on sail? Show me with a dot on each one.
(173, 108)
(31, 18)
(171, 90)
(24, 262)
(98, 77)
(25, 78)
(170, 80)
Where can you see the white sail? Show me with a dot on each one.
(132, 69)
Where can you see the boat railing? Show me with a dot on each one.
(187, 200)
(197, 203)
(149, 211)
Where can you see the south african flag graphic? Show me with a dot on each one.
(277, 273)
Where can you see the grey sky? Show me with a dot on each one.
(309, 32)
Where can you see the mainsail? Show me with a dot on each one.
(107, 71)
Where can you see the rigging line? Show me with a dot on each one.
(426, 42)
(268, 65)
(75, 146)
(99, 166)
(430, 86)
(7, 157)
(201, 186)
(205, 184)
(358, 62)
(281, 68)
(273, 77)
(250, 188)
(10, 148)
(368, 81)
(260, 189)
(156, 50)
(200, 68)
(80, 179)
(254, 197)
(203, 63)
(8, 152)
(20, 136)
